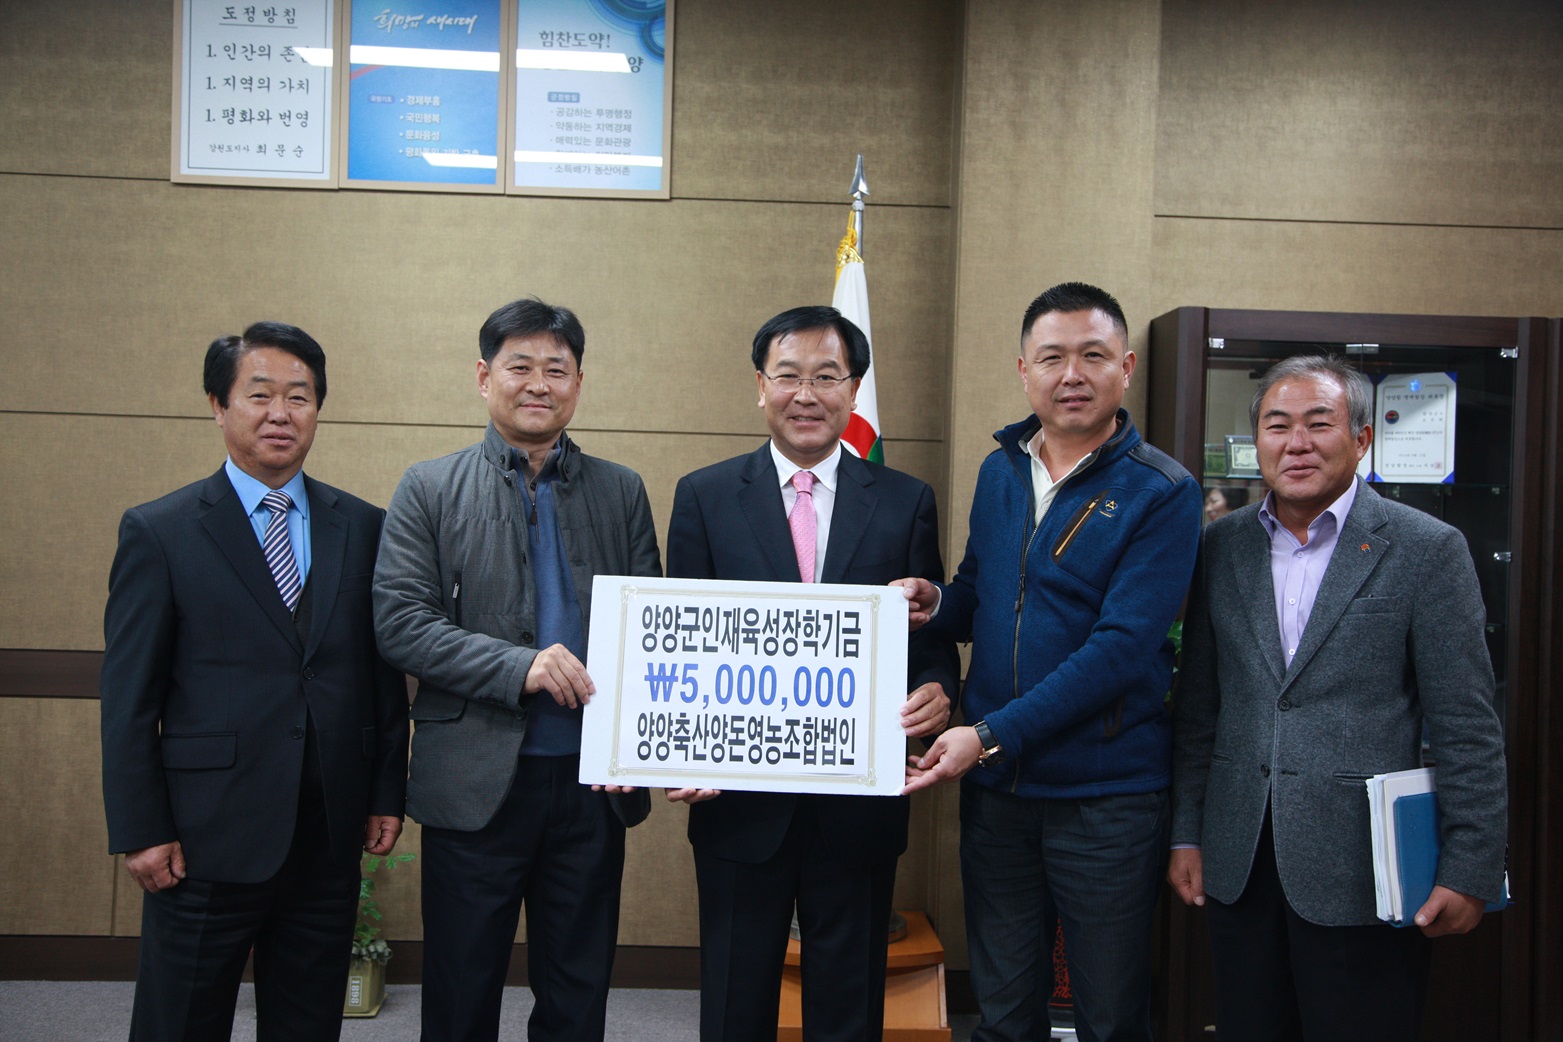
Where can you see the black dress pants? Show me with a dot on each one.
(555, 845)
(1281, 978)
(196, 937)
(843, 901)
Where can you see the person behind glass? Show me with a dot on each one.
(254, 743)
(1219, 502)
(1082, 543)
(1328, 630)
(800, 509)
(483, 592)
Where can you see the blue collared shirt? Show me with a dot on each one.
(251, 492)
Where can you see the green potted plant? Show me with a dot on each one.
(366, 975)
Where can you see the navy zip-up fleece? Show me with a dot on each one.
(1068, 620)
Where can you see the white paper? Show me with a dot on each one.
(779, 687)
(1414, 428)
(1383, 791)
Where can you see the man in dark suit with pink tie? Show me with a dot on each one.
(800, 509)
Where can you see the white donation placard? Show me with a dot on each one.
(779, 687)
(1414, 430)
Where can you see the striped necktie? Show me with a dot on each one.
(279, 548)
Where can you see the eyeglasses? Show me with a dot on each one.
(791, 383)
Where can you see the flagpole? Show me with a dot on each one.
(858, 190)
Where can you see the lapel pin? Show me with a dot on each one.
(1365, 548)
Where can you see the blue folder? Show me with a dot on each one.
(1416, 851)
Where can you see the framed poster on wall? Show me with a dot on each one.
(593, 98)
(425, 105)
(254, 90)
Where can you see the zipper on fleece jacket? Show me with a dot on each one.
(1020, 604)
(1070, 531)
(1077, 522)
(1014, 646)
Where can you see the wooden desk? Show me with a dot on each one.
(914, 988)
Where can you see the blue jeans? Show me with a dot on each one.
(1098, 864)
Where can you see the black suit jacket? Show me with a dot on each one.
(208, 687)
(729, 523)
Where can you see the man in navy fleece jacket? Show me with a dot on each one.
(1081, 549)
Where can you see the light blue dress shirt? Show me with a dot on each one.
(251, 492)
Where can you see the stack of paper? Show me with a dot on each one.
(1384, 790)
(1403, 818)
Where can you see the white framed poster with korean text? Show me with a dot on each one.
(254, 93)
(593, 98)
(776, 687)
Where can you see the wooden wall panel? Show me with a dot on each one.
(55, 874)
(1390, 112)
(1362, 268)
(765, 94)
(88, 87)
(90, 469)
(71, 478)
(132, 280)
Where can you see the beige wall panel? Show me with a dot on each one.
(1334, 267)
(776, 100)
(1398, 111)
(72, 478)
(55, 874)
(140, 276)
(87, 87)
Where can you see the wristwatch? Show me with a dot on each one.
(992, 752)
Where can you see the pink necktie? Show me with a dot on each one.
(803, 524)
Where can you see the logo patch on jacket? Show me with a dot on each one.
(1109, 508)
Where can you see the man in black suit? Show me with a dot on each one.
(801, 509)
(253, 739)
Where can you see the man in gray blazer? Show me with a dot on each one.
(1327, 631)
(483, 591)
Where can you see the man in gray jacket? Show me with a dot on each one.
(483, 591)
(1328, 630)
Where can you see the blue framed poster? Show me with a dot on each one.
(424, 94)
(593, 98)
(253, 93)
